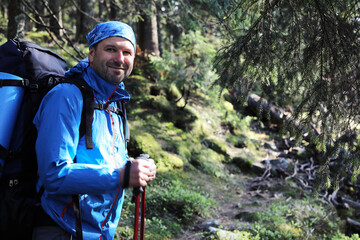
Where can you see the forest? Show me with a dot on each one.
(250, 109)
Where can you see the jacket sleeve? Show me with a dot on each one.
(57, 121)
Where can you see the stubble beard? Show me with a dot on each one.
(111, 76)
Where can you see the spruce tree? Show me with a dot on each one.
(304, 54)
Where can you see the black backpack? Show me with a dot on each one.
(41, 69)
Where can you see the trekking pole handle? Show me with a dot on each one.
(144, 156)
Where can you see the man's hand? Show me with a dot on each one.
(142, 171)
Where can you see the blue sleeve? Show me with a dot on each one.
(57, 121)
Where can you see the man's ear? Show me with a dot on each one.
(91, 55)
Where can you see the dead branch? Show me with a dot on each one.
(52, 36)
(295, 171)
(351, 203)
(64, 31)
(353, 223)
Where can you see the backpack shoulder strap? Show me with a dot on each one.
(126, 129)
(88, 109)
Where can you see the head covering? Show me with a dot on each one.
(111, 29)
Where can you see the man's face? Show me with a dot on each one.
(112, 59)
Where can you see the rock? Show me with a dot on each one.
(209, 223)
(270, 146)
(278, 163)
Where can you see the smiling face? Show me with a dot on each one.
(112, 59)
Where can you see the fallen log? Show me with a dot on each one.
(269, 112)
(280, 117)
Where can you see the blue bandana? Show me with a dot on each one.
(111, 29)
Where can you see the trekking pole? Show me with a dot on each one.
(136, 196)
(142, 229)
(139, 193)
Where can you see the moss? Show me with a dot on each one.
(184, 151)
(38, 37)
(201, 129)
(143, 142)
(289, 230)
(184, 118)
(216, 145)
(229, 235)
(137, 86)
(210, 162)
(244, 163)
(228, 106)
(173, 93)
(249, 216)
(168, 161)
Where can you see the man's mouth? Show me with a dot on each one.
(117, 68)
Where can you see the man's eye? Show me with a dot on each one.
(110, 50)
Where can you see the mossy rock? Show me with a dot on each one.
(167, 161)
(245, 164)
(217, 146)
(143, 142)
(228, 106)
(210, 162)
(137, 85)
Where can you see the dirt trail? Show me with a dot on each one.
(253, 194)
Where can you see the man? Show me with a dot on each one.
(100, 174)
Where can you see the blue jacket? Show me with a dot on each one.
(95, 175)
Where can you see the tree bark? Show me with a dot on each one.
(56, 17)
(148, 32)
(16, 23)
(275, 115)
(84, 21)
(39, 7)
(113, 10)
(102, 7)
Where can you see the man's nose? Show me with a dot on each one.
(120, 57)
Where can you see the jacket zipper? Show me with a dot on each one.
(114, 159)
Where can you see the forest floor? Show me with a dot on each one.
(244, 195)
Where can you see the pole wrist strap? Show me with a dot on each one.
(127, 174)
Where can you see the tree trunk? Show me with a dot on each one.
(84, 22)
(16, 21)
(113, 10)
(102, 7)
(39, 7)
(56, 17)
(148, 33)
